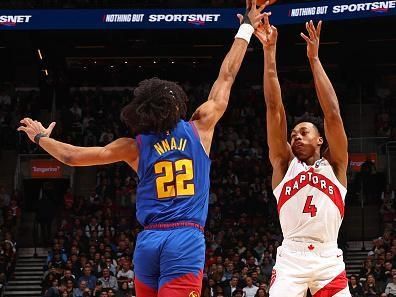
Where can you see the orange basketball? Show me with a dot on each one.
(261, 2)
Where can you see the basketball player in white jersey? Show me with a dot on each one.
(309, 186)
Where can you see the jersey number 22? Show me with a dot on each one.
(175, 178)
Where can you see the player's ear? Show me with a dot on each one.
(320, 141)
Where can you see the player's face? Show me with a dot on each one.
(305, 140)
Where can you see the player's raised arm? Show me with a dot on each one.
(123, 149)
(209, 113)
(334, 128)
(279, 149)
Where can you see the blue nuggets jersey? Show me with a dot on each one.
(173, 177)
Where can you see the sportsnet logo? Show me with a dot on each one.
(194, 19)
(378, 6)
(13, 20)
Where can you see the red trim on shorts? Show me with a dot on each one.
(335, 197)
(339, 283)
(143, 290)
(174, 225)
(188, 285)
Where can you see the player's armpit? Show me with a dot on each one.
(209, 113)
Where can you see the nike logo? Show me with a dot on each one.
(339, 256)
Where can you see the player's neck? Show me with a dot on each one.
(310, 161)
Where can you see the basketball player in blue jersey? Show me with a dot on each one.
(171, 159)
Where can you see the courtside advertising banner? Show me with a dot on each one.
(119, 19)
(357, 159)
(45, 168)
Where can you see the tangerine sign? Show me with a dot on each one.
(356, 160)
(46, 168)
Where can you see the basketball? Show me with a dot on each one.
(261, 2)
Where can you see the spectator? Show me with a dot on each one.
(210, 289)
(93, 226)
(388, 194)
(45, 211)
(67, 276)
(229, 271)
(98, 288)
(68, 287)
(268, 265)
(390, 289)
(370, 287)
(367, 172)
(126, 290)
(125, 274)
(79, 292)
(366, 269)
(108, 280)
(250, 289)
(47, 282)
(355, 288)
(261, 293)
(238, 293)
(231, 287)
(54, 290)
(88, 277)
(106, 137)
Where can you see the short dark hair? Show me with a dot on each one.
(316, 121)
(157, 106)
(318, 124)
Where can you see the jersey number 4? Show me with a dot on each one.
(175, 178)
(309, 207)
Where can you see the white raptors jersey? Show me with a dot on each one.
(310, 202)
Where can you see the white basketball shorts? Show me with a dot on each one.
(300, 266)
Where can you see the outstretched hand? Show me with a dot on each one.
(266, 33)
(253, 14)
(32, 128)
(313, 40)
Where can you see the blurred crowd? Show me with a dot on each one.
(377, 277)
(10, 214)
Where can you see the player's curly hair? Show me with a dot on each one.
(157, 106)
